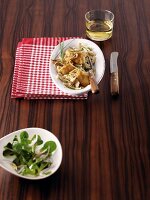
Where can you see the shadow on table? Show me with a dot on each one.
(39, 189)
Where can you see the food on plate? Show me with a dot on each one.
(30, 156)
(73, 66)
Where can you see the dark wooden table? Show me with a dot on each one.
(105, 141)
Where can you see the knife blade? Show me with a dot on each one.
(114, 79)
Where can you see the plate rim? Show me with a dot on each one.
(54, 54)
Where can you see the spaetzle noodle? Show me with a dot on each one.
(73, 66)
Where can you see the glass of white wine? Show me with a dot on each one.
(99, 24)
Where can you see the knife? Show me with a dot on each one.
(93, 83)
(114, 79)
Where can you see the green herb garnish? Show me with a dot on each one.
(62, 50)
(30, 156)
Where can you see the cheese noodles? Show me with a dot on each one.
(73, 65)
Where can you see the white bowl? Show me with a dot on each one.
(99, 64)
(45, 136)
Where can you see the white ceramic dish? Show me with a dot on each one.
(99, 65)
(45, 136)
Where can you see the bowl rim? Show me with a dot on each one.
(17, 132)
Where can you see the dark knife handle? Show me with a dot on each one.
(114, 83)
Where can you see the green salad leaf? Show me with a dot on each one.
(30, 156)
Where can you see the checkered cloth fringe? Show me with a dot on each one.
(31, 79)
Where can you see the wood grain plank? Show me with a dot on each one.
(105, 141)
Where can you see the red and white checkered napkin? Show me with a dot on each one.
(32, 78)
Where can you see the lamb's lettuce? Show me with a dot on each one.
(31, 156)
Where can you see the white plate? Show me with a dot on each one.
(45, 136)
(99, 65)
